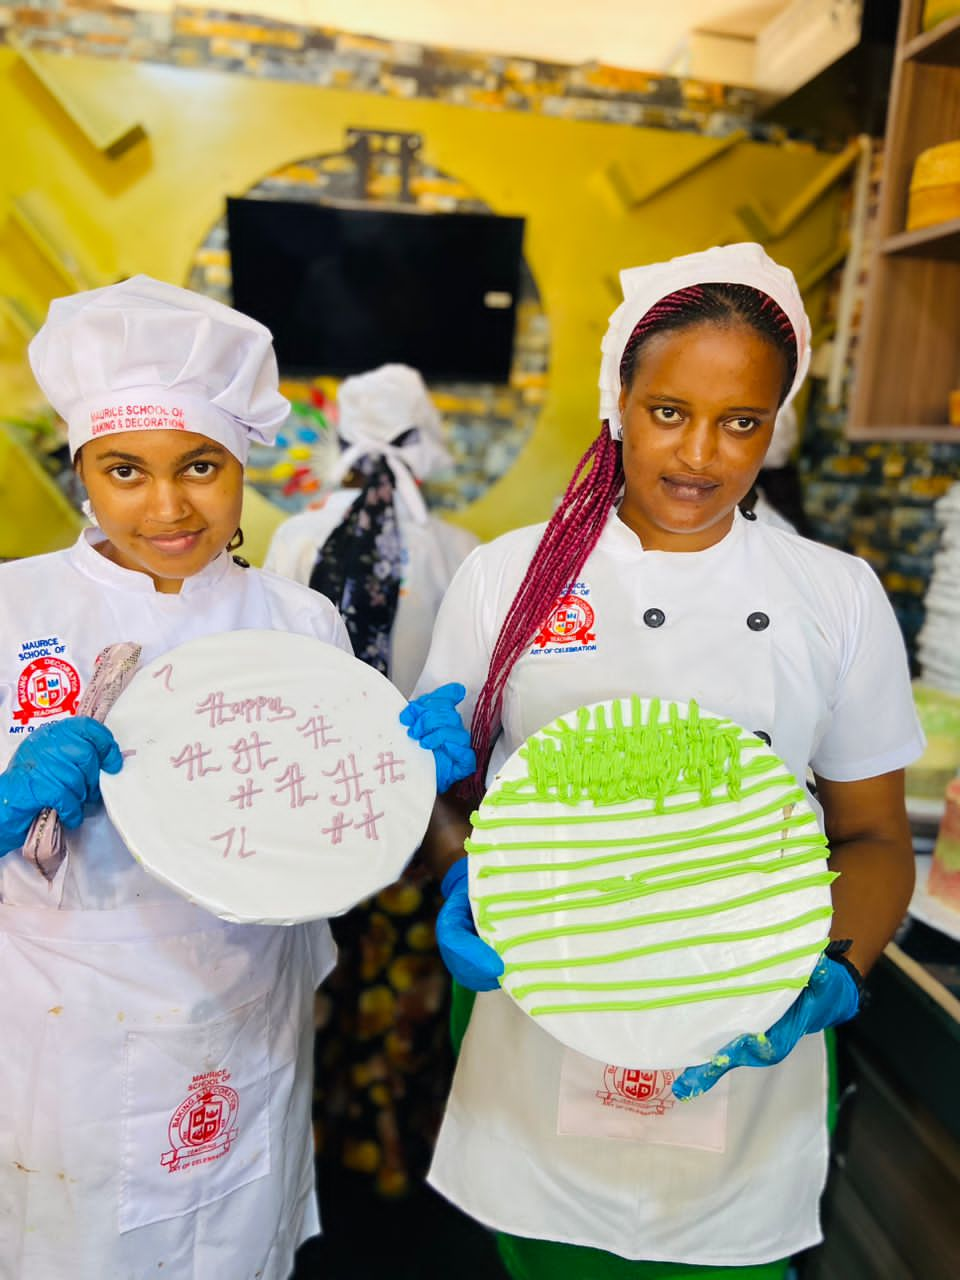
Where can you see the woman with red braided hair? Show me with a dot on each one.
(675, 594)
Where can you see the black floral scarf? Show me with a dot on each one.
(360, 565)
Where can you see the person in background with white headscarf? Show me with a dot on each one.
(688, 599)
(123, 1006)
(372, 546)
(383, 1053)
(779, 498)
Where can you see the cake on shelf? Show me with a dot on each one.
(939, 715)
(937, 648)
(937, 691)
(944, 881)
(935, 187)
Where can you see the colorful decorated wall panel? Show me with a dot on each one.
(121, 154)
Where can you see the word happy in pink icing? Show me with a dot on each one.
(250, 710)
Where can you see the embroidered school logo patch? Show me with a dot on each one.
(569, 625)
(47, 687)
(647, 1093)
(203, 1128)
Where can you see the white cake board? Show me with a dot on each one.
(931, 910)
(592, 937)
(266, 777)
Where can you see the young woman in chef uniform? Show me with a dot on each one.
(119, 999)
(685, 598)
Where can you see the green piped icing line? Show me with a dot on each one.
(681, 875)
(675, 944)
(610, 892)
(647, 758)
(521, 991)
(665, 917)
(665, 1002)
(792, 796)
(662, 851)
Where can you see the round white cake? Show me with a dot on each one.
(267, 776)
(654, 879)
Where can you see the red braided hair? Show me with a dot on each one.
(582, 514)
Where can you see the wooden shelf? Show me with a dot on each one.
(908, 360)
(939, 241)
(939, 47)
(906, 434)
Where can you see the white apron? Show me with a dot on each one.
(541, 1142)
(155, 1110)
(155, 1085)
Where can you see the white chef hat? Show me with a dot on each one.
(143, 355)
(643, 288)
(378, 406)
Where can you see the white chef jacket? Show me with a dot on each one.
(433, 550)
(126, 1009)
(821, 669)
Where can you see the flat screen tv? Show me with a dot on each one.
(344, 289)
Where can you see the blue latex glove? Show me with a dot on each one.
(56, 767)
(434, 721)
(473, 962)
(831, 997)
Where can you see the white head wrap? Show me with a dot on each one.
(376, 408)
(143, 355)
(786, 432)
(643, 288)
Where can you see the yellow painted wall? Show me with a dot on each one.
(213, 134)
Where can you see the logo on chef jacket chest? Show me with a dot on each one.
(647, 1093)
(569, 625)
(48, 684)
(203, 1128)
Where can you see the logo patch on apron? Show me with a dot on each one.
(600, 1100)
(203, 1129)
(646, 1093)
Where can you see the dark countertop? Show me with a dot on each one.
(911, 1021)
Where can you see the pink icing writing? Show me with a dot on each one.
(250, 710)
(191, 758)
(243, 796)
(366, 822)
(166, 672)
(292, 780)
(336, 828)
(343, 778)
(248, 750)
(243, 851)
(387, 760)
(317, 728)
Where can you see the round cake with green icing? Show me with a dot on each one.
(654, 879)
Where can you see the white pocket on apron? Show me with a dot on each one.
(195, 1119)
(599, 1100)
